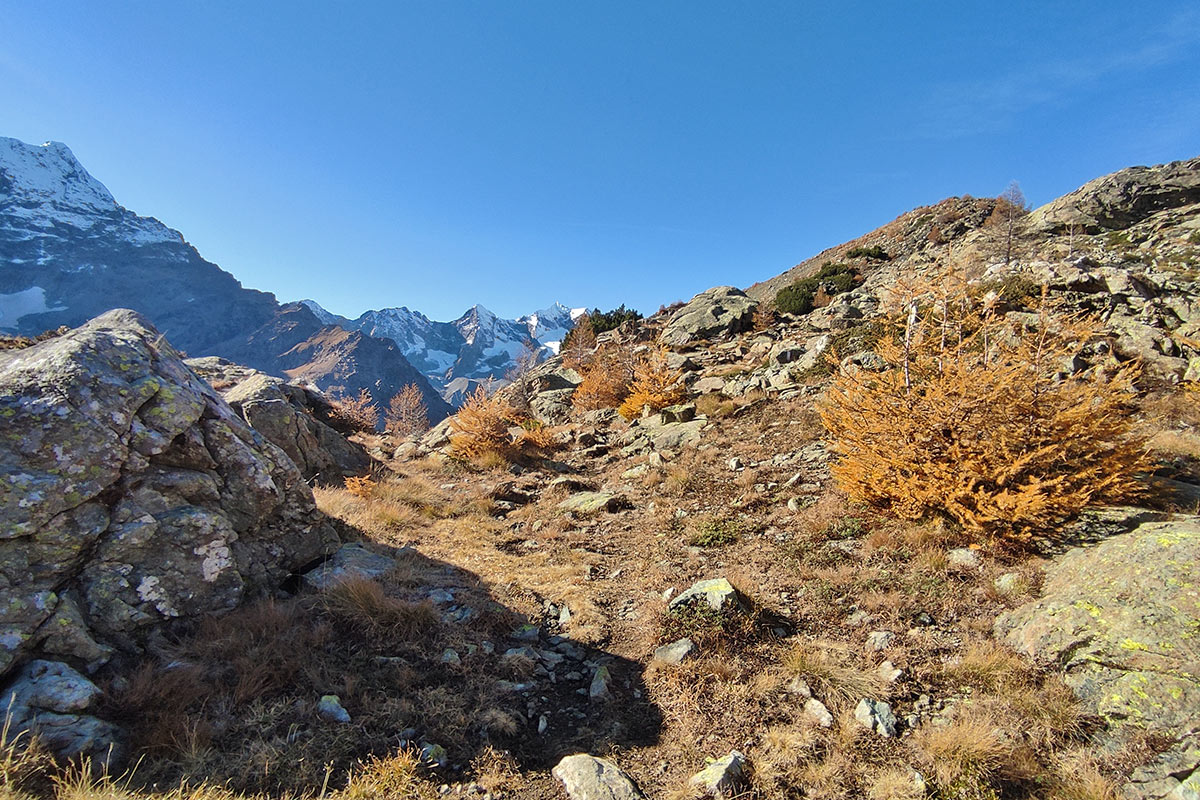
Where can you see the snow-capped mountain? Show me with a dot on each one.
(550, 325)
(455, 355)
(69, 251)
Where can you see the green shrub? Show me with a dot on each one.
(801, 295)
(874, 251)
(608, 320)
(797, 298)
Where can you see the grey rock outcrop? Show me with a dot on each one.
(289, 416)
(720, 310)
(50, 700)
(1118, 620)
(131, 495)
(1123, 198)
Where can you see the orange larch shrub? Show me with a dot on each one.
(655, 385)
(481, 426)
(354, 414)
(606, 379)
(974, 415)
(406, 412)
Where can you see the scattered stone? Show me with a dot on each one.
(722, 778)
(528, 633)
(675, 652)
(350, 561)
(964, 558)
(685, 412)
(877, 716)
(818, 713)
(434, 755)
(586, 777)
(717, 594)
(799, 686)
(594, 502)
(1009, 584)
(330, 708)
(543, 724)
(735, 464)
(450, 656)
(49, 699)
(600, 689)
(888, 671)
(880, 640)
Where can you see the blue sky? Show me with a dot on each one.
(438, 154)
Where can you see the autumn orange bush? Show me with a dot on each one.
(481, 426)
(606, 379)
(974, 416)
(357, 414)
(654, 384)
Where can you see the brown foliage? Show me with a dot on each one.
(606, 380)
(654, 384)
(362, 487)
(481, 427)
(354, 414)
(580, 344)
(971, 417)
(406, 412)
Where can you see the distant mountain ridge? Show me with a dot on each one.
(479, 345)
(69, 252)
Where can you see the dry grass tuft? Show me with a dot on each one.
(827, 667)
(363, 603)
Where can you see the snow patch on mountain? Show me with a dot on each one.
(326, 317)
(22, 304)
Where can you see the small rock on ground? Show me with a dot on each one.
(586, 777)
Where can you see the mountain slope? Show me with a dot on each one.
(69, 252)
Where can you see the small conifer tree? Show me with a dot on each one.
(406, 413)
(974, 416)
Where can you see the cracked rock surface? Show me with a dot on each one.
(132, 495)
(1121, 619)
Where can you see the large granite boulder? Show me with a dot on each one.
(1116, 201)
(717, 311)
(1121, 622)
(289, 416)
(131, 495)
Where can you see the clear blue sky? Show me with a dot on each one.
(438, 154)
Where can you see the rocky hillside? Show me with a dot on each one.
(549, 598)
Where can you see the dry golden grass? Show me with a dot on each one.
(362, 602)
(828, 668)
(393, 776)
(715, 405)
(896, 783)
